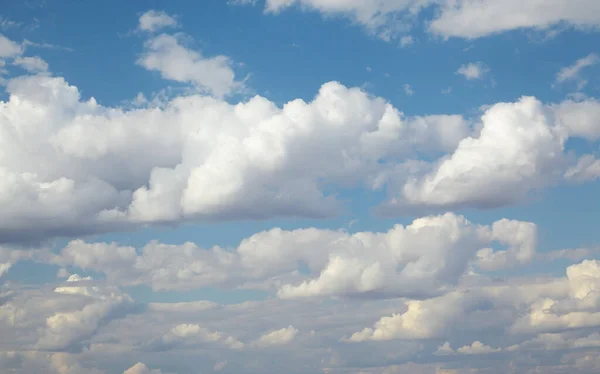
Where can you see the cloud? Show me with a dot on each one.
(418, 259)
(212, 160)
(66, 330)
(277, 337)
(153, 20)
(524, 308)
(8, 48)
(474, 19)
(389, 20)
(468, 19)
(504, 163)
(586, 169)
(167, 55)
(572, 73)
(190, 335)
(141, 368)
(473, 70)
(32, 64)
(477, 348)
(408, 90)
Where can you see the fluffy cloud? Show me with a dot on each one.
(32, 64)
(211, 160)
(153, 20)
(421, 258)
(520, 148)
(190, 335)
(473, 70)
(167, 55)
(201, 336)
(277, 337)
(9, 48)
(550, 306)
(477, 18)
(66, 330)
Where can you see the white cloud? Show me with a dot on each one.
(153, 20)
(572, 73)
(408, 90)
(505, 162)
(389, 20)
(211, 160)
(190, 335)
(31, 64)
(141, 368)
(8, 48)
(473, 70)
(277, 337)
(473, 19)
(477, 348)
(421, 258)
(586, 169)
(167, 55)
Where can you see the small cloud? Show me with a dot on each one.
(369, 69)
(444, 350)
(477, 348)
(8, 24)
(573, 72)
(408, 90)
(219, 366)
(241, 2)
(473, 70)
(406, 41)
(154, 20)
(446, 91)
(277, 337)
(32, 64)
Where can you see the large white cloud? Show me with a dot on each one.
(422, 258)
(75, 166)
(520, 149)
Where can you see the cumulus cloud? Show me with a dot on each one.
(212, 160)
(190, 335)
(473, 70)
(32, 64)
(477, 348)
(524, 308)
(421, 258)
(167, 55)
(67, 330)
(277, 337)
(141, 368)
(520, 149)
(153, 20)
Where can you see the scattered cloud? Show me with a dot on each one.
(153, 20)
(573, 72)
(473, 70)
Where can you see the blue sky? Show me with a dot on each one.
(225, 182)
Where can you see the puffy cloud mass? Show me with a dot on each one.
(212, 160)
(422, 258)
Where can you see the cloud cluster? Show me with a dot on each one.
(469, 19)
(211, 160)
(422, 258)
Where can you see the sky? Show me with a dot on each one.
(300, 186)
